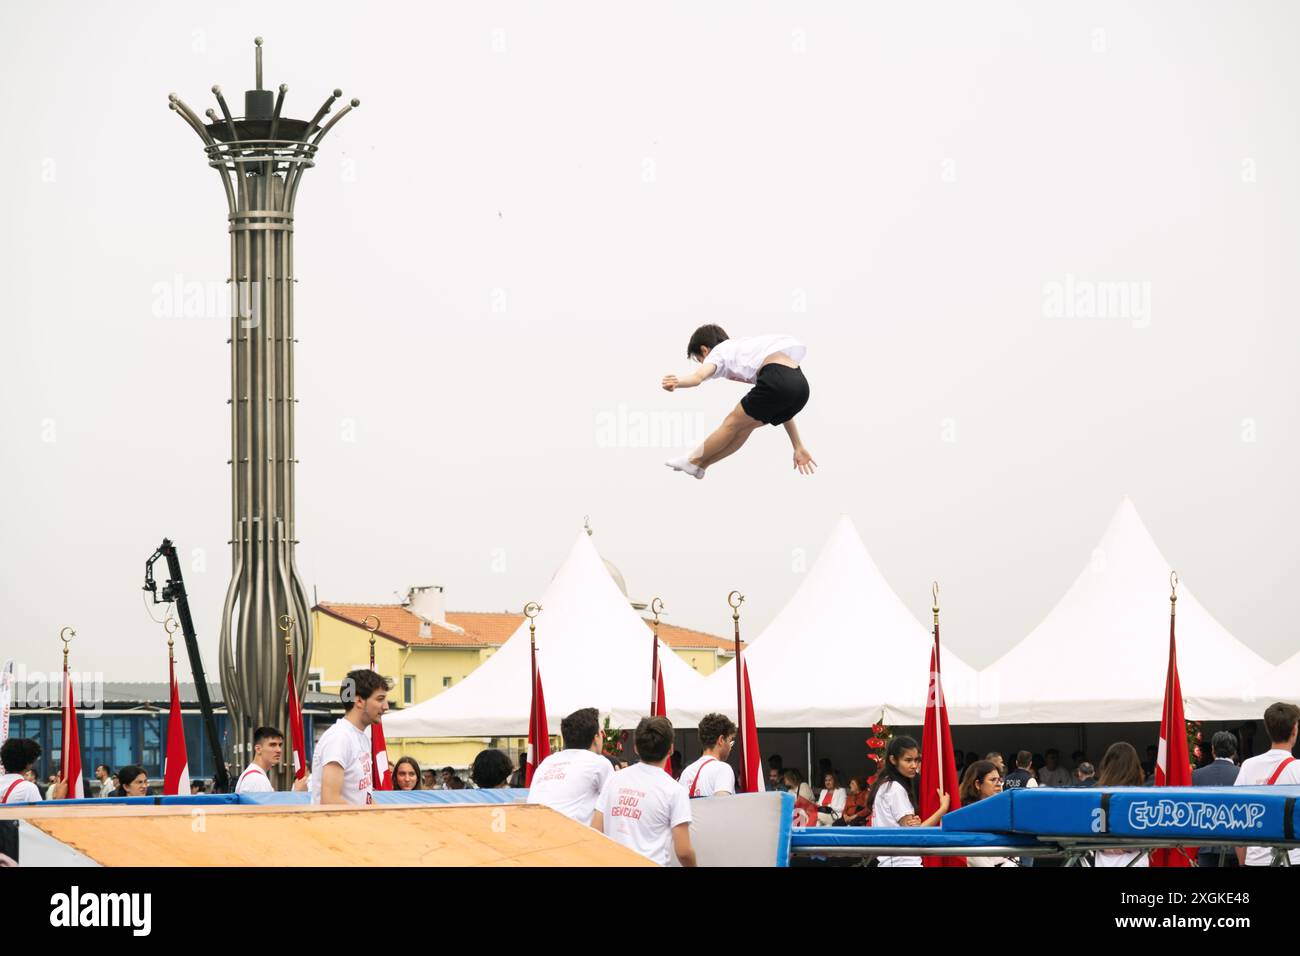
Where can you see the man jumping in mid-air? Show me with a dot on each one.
(768, 362)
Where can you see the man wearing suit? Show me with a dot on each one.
(1221, 773)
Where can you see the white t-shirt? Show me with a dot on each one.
(740, 359)
(1060, 777)
(640, 805)
(1255, 772)
(348, 747)
(253, 780)
(1121, 858)
(891, 805)
(570, 781)
(25, 792)
(716, 776)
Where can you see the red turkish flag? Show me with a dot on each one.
(297, 739)
(751, 760)
(71, 744)
(381, 773)
(658, 705)
(539, 738)
(938, 762)
(1173, 766)
(176, 772)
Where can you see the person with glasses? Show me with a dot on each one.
(711, 775)
(570, 780)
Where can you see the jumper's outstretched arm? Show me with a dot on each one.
(701, 374)
(803, 461)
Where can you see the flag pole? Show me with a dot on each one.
(371, 628)
(65, 635)
(656, 608)
(531, 610)
(734, 600)
(938, 686)
(286, 623)
(70, 749)
(1169, 697)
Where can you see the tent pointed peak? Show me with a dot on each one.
(1127, 541)
(583, 565)
(844, 537)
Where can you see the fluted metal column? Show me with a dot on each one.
(261, 157)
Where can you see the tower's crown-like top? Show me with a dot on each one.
(262, 135)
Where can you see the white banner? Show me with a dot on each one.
(6, 696)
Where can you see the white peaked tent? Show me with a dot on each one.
(843, 650)
(1285, 682)
(592, 649)
(1102, 653)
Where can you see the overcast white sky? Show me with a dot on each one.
(504, 249)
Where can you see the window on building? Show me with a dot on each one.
(446, 682)
(408, 688)
(151, 751)
(314, 678)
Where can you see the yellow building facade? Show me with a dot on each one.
(420, 665)
(425, 650)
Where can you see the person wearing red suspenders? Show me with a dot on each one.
(711, 775)
(19, 755)
(1277, 766)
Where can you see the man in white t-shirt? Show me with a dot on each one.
(644, 808)
(18, 756)
(105, 778)
(341, 769)
(1052, 774)
(768, 362)
(711, 775)
(570, 780)
(1276, 767)
(268, 749)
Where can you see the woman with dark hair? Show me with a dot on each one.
(855, 803)
(1120, 767)
(132, 781)
(491, 769)
(406, 774)
(893, 799)
(982, 780)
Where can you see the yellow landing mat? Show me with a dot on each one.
(475, 835)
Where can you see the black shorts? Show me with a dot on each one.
(779, 394)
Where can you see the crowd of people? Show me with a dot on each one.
(645, 805)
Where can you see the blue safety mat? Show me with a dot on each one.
(931, 837)
(197, 800)
(1260, 813)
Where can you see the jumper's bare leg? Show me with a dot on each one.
(727, 439)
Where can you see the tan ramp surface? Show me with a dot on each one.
(474, 835)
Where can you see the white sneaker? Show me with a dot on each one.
(683, 464)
